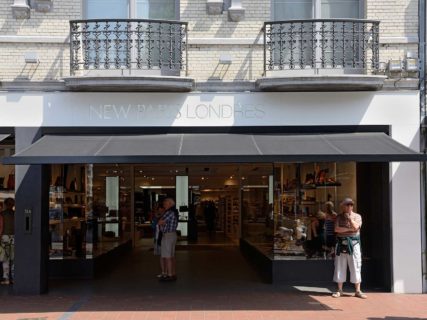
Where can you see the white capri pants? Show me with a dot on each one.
(354, 263)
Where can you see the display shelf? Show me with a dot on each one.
(6, 194)
(232, 216)
(67, 222)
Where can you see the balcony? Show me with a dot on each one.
(321, 55)
(128, 55)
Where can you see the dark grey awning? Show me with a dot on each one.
(168, 148)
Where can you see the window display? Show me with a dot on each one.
(7, 175)
(89, 210)
(307, 197)
(257, 206)
(286, 210)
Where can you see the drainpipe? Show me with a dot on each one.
(423, 134)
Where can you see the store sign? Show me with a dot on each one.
(109, 109)
(199, 111)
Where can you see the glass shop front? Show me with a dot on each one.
(285, 211)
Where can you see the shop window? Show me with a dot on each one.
(257, 206)
(89, 210)
(307, 199)
(7, 176)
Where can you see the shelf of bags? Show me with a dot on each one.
(305, 203)
(327, 185)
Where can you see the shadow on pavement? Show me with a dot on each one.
(207, 280)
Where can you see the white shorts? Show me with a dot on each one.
(354, 263)
(168, 245)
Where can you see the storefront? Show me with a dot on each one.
(7, 172)
(87, 163)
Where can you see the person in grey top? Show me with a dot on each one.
(7, 239)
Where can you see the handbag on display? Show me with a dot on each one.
(11, 181)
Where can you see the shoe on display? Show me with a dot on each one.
(5, 282)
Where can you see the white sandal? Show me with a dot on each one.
(361, 295)
(337, 294)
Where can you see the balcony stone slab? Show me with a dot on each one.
(130, 83)
(321, 83)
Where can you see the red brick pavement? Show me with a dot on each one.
(207, 289)
(296, 306)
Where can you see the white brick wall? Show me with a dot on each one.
(54, 23)
(54, 61)
(202, 25)
(247, 62)
(398, 19)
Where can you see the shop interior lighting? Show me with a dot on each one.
(256, 186)
(157, 187)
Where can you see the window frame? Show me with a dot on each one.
(316, 9)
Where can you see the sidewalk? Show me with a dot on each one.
(211, 285)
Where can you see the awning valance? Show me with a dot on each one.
(3, 136)
(180, 148)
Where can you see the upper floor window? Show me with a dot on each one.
(316, 9)
(133, 9)
(156, 9)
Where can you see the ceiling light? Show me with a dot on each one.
(255, 186)
(157, 187)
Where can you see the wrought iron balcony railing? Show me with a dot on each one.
(348, 44)
(133, 44)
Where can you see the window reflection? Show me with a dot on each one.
(307, 197)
